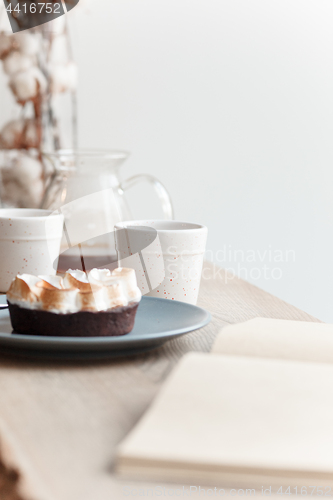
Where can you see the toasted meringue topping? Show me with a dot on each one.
(21, 289)
(77, 279)
(28, 279)
(101, 276)
(99, 290)
(78, 275)
(50, 282)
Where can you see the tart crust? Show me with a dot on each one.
(115, 322)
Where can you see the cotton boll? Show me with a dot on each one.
(7, 176)
(16, 62)
(63, 77)
(31, 196)
(22, 183)
(26, 85)
(19, 134)
(26, 169)
(14, 194)
(23, 170)
(11, 193)
(28, 44)
(6, 43)
(11, 135)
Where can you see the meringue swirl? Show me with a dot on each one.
(98, 290)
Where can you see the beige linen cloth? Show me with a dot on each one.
(240, 417)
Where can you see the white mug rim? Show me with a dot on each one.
(150, 223)
(11, 215)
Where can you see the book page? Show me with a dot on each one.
(239, 416)
(276, 338)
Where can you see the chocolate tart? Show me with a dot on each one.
(101, 303)
(115, 322)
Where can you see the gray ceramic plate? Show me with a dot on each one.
(157, 321)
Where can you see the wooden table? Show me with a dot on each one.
(60, 422)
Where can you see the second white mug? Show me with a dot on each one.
(166, 255)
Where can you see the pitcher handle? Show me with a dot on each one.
(161, 192)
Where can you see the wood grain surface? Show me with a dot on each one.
(61, 421)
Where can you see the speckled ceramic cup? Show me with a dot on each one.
(170, 265)
(29, 243)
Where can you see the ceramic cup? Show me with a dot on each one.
(166, 255)
(29, 243)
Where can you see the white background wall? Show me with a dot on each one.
(230, 104)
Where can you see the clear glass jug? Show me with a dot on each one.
(85, 186)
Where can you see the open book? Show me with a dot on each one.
(256, 411)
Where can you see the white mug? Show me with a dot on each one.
(29, 243)
(169, 264)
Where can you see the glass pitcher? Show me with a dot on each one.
(85, 186)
